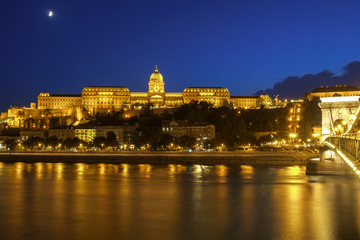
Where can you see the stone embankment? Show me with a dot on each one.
(203, 158)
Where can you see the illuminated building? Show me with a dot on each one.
(86, 134)
(217, 96)
(73, 108)
(179, 128)
(294, 118)
(104, 99)
(344, 91)
(58, 101)
(251, 101)
(62, 133)
(100, 99)
(102, 131)
(31, 133)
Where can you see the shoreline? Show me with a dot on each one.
(185, 158)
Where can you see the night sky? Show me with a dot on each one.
(244, 46)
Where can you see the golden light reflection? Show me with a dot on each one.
(39, 169)
(357, 202)
(248, 198)
(49, 167)
(222, 171)
(59, 167)
(80, 169)
(320, 210)
(102, 168)
(174, 169)
(1, 167)
(59, 170)
(19, 169)
(247, 171)
(292, 174)
(290, 199)
(145, 169)
(177, 168)
(124, 170)
(39, 166)
(197, 169)
(29, 167)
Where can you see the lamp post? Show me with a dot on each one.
(293, 136)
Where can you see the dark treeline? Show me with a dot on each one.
(233, 127)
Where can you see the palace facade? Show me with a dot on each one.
(101, 99)
(98, 99)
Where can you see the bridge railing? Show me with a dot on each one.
(349, 144)
(348, 149)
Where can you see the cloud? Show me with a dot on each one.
(296, 87)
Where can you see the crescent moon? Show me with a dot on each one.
(50, 13)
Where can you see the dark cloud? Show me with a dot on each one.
(296, 87)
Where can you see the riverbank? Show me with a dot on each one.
(186, 158)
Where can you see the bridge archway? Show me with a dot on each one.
(338, 114)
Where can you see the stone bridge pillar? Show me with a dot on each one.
(337, 108)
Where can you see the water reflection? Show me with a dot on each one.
(247, 171)
(100, 201)
(124, 170)
(221, 172)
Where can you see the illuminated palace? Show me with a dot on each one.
(97, 99)
(101, 99)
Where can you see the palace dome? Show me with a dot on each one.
(156, 76)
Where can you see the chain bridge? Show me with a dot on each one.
(340, 135)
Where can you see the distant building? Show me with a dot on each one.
(62, 133)
(85, 133)
(216, 96)
(99, 99)
(30, 133)
(179, 128)
(102, 131)
(251, 101)
(114, 98)
(294, 117)
(58, 101)
(343, 91)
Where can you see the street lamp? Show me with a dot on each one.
(293, 136)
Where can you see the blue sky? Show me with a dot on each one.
(244, 46)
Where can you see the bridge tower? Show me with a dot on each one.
(338, 114)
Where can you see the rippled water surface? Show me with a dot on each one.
(104, 201)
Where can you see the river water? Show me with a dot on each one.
(104, 201)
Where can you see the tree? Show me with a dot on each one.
(165, 140)
(151, 132)
(34, 143)
(111, 140)
(52, 141)
(100, 142)
(310, 117)
(267, 138)
(209, 144)
(71, 143)
(187, 141)
(10, 144)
